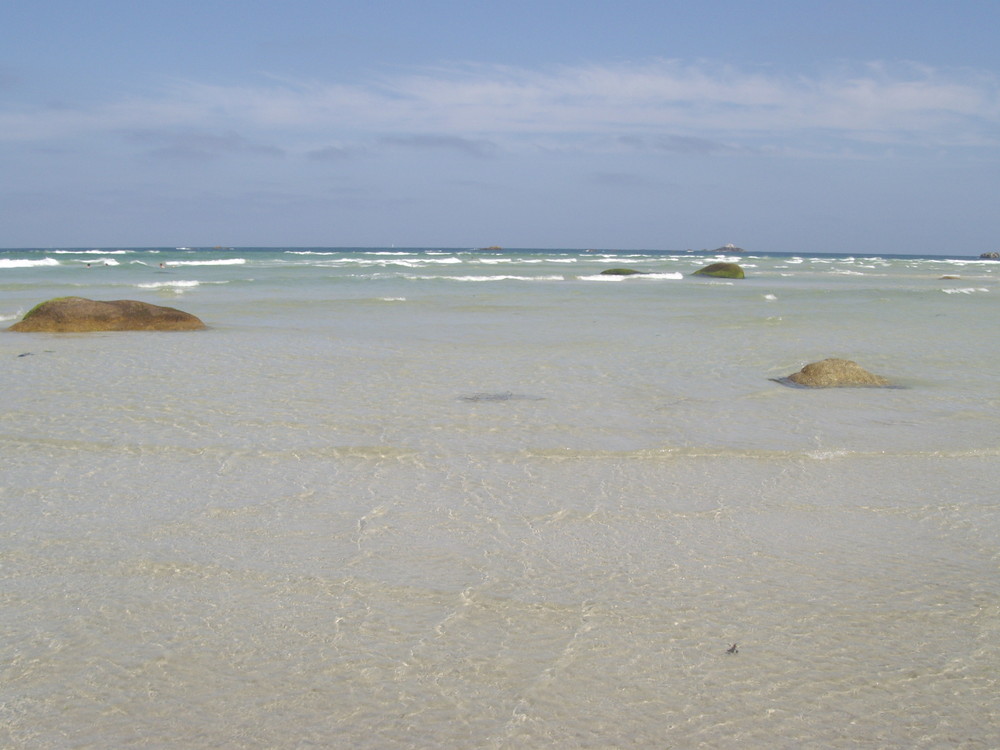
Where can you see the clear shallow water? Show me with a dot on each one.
(467, 499)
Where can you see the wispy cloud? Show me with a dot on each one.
(623, 180)
(680, 144)
(199, 145)
(662, 105)
(331, 153)
(447, 142)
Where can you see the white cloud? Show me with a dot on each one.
(902, 104)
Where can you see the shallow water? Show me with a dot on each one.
(492, 500)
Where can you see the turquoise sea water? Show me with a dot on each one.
(494, 499)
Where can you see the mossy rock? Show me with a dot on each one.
(836, 373)
(80, 315)
(37, 307)
(721, 271)
(620, 272)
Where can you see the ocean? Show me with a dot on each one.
(481, 499)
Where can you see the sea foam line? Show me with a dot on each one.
(220, 262)
(623, 277)
(162, 284)
(490, 278)
(91, 252)
(101, 261)
(19, 263)
(417, 263)
(383, 262)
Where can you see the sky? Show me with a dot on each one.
(784, 126)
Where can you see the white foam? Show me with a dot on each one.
(450, 260)
(827, 455)
(19, 263)
(961, 262)
(175, 284)
(91, 252)
(494, 278)
(331, 261)
(673, 275)
(404, 262)
(966, 290)
(219, 262)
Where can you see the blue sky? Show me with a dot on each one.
(861, 127)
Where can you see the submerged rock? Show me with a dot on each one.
(80, 315)
(835, 373)
(620, 272)
(721, 271)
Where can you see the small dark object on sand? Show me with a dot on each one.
(505, 396)
(732, 649)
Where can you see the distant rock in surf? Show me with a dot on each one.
(991, 256)
(80, 315)
(730, 248)
(721, 271)
(834, 373)
(620, 272)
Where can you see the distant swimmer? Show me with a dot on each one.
(732, 649)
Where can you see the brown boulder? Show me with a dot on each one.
(834, 373)
(78, 315)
